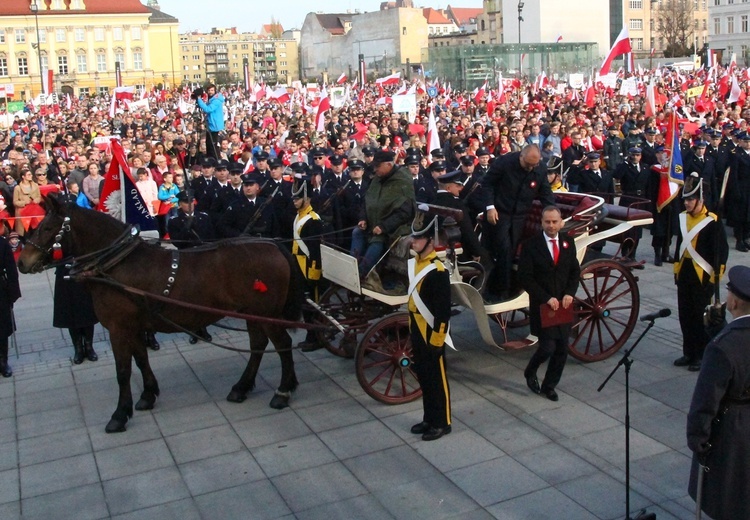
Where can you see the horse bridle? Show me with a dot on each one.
(64, 228)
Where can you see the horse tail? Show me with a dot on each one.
(295, 295)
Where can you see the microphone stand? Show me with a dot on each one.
(627, 362)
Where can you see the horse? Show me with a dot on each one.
(246, 275)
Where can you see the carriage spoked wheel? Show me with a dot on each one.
(606, 310)
(351, 310)
(384, 361)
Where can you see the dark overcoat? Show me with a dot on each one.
(10, 290)
(72, 305)
(723, 387)
(738, 190)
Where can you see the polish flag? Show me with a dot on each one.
(323, 107)
(621, 46)
(590, 96)
(559, 38)
(650, 108)
(393, 79)
(736, 92)
(342, 79)
(433, 140)
(68, 102)
(480, 92)
(280, 95)
(120, 94)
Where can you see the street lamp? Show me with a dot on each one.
(35, 10)
(520, 19)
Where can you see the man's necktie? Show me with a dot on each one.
(555, 250)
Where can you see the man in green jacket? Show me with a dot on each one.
(387, 213)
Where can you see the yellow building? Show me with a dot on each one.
(218, 56)
(80, 40)
(641, 17)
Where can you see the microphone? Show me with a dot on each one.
(654, 315)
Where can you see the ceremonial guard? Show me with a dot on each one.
(250, 215)
(636, 187)
(424, 187)
(306, 230)
(554, 174)
(475, 195)
(353, 198)
(449, 188)
(594, 179)
(649, 147)
(702, 246)
(549, 271)
(718, 420)
(429, 315)
(189, 228)
(205, 187)
(665, 217)
(279, 191)
(227, 194)
(738, 195)
(705, 166)
(484, 158)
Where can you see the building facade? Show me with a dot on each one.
(728, 29)
(642, 20)
(80, 41)
(218, 57)
(490, 23)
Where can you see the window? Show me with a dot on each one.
(81, 64)
(101, 62)
(282, 64)
(2, 36)
(3, 66)
(83, 91)
(62, 64)
(636, 4)
(705, 25)
(651, 24)
(637, 44)
(717, 25)
(717, 2)
(20, 36)
(80, 35)
(42, 36)
(137, 61)
(60, 35)
(730, 2)
(196, 57)
(99, 34)
(730, 24)
(23, 67)
(730, 50)
(117, 34)
(196, 48)
(743, 23)
(120, 58)
(135, 32)
(636, 24)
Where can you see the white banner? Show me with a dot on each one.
(629, 87)
(575, 80)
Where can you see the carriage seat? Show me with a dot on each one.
(569, 207)
(626, 214)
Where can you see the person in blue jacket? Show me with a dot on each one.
(214, 110)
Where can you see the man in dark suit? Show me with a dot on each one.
(281, 191)
(240, 218)
(705, 166)
(718, 422)
(449, 188)
(549, 272)
(595, 179)
(205, 187)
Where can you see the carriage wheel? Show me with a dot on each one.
(606, 310)
(348, 309)
(384, 361)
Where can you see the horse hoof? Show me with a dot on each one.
(279, 402)
(236, 397)
(144, 404)
(115, 426)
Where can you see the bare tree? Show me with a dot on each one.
(674, 23)
(276, 29)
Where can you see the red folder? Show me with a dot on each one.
(552, 318)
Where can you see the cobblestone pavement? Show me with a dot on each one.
(337, 453)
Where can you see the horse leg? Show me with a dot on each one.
(150, 385)
(258, 343)
(123, 343)
(283, 344)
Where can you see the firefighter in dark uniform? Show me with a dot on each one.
(260, 168)
(475, 195)
(241, 219)
(703, 249)
(189, 228)
(635, 185)
(697, 161)
(280, 191)
(306, 231)
(595, 179)
(429, 315)
(484, 159)
(228, 194)
(738, 194)
(649, 147)
(205, 187)
(424, 186)
(515, 181)
(665, 224)
(368, 153)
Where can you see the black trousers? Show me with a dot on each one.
(554, 350)
(82, 334)
(429, 366)
(692, 298)
(502, 241)
(213, 143)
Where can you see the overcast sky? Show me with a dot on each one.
(249, 15)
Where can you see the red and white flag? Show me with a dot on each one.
(620, 47)
(650, 108)
(558, 39)
(433, 139)
(590, 96)
(480, 92)
(120, 94)
(281, 95)
(342, 79)
(323, 107)
(736, 93)
(68, 102)
(393, 79)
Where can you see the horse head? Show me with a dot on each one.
(39, 242)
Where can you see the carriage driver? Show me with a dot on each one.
(307, 229)
(429, 314)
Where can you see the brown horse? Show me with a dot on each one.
(250, 276)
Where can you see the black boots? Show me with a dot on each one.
(79, 352)
(88, 346)
(151, 341)
(5, 369)
(203, 334)
(742, 246)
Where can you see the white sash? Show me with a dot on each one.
(299, 223)
(687, 241)
(429, 318)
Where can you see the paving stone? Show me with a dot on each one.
(292, 455)
(256, 500)
(280, 426)
(179, 510)
(333, 414)
(390, 468)
(141, 457)
(610, 445)
(54, 446)
(199, 444)
(545, 503)
(77, 503)
(575, 419)
(434, 498)
(602, 495)
(358, 439)
(9, 486)
(459, 449)
(181, 420)
(221, 472)
(58, 475)
(312, 487)
(144, 490)
(554, 463)
(51, 421)
(365, 507)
